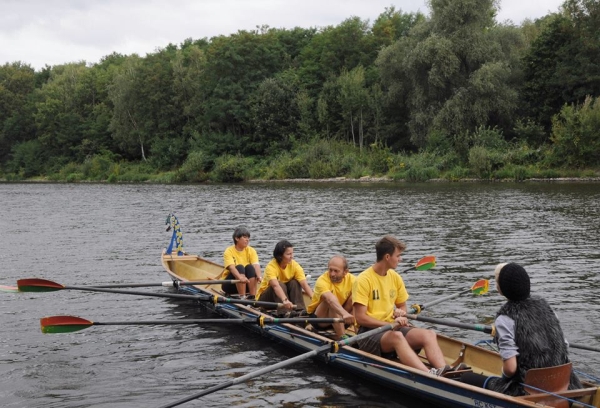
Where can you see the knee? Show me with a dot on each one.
(398, 337)
(241, 269)
(429, 335)
(250, 272)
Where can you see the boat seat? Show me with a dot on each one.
(551, 379)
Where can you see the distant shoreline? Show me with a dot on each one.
(365, 179)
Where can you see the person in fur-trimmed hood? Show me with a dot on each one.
(528, 334)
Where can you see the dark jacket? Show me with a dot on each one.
(540, 340)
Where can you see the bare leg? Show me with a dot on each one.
(323, 310)
(427, 340)
(395, 341)
(252, 286)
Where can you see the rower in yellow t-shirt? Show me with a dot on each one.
(379, 298)
(241, 262)
(284, 279)
(332, 296)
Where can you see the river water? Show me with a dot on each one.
(85, 234)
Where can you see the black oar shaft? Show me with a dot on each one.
(170, 284)
(204, 298)
(267, 320)
(444, 322)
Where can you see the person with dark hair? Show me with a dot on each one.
(379, 297)
(284, 279)
(241, 263)
(332, 296)
(528, 335)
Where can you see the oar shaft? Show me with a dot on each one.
(168, 284)
(205, 298)
(268, 320)
(444, 322)
(282, 364)
(583, 347)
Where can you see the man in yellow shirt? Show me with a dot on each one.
(379, 297)
(332, 296)
(241, 262)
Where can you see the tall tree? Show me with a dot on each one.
(563, 63)
(451, 72)
(17, 83)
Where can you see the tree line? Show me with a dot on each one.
(454, 92)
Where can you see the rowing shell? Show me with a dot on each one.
(444, 391)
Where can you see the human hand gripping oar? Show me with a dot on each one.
(333, 347)
(43, 285)
(69, 324)
(489, 329)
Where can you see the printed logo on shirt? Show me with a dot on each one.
(376, 294)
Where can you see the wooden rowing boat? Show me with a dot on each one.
(445, 391)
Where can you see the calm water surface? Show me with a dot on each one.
(93, 234)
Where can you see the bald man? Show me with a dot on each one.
(332, 295)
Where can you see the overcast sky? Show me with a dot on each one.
(40, 32)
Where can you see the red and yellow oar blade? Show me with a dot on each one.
(425, 263)
(38, 285)
(64, 324)
(480, 287)
(9, 289)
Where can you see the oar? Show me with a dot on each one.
(584, 347)
(478, 327)
(9, 289)
(69, 324)
(329, 347)
(43, 285)
(334, 346)
(425, 263)
(479, 288)
(169, 284)
(489, 329)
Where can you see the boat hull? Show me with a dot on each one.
(446, 392)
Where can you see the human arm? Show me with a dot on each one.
(304, 285)
(253, 260)
(232, 269)
(334, 304)
(274, 284)
(258, 271)
(509, 367)
(229, 261)
(507, 347)
(363, 319)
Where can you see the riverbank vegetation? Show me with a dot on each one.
(453, 95)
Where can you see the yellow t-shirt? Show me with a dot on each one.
(379, 293)
(232, 256)
(341, 290)
(272, 271)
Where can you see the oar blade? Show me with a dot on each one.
(426, 263)
(38, 285)
(63, 324)
(480, 287)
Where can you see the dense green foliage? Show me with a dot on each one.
(454, 94)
